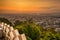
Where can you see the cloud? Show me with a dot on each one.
(40, 5)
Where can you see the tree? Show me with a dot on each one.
(36, 32)
(17, 22)
(5, 21)
(30, 29)
(28, 38)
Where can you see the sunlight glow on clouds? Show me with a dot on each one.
(42, 6)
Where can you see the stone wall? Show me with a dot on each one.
(9, 33)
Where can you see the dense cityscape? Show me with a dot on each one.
(44, 20)
(30, 27)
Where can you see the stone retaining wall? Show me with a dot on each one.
(10, 33)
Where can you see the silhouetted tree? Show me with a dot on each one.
(5, 21)
(17, 22)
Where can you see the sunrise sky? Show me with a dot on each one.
(29, 6)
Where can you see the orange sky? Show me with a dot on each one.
(41, 6)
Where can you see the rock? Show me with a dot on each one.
(9, 33)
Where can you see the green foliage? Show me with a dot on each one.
(17, 22)
(34, 31)
(30, 29)
(5, 21)
(28, 38)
